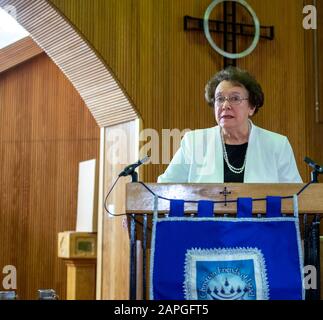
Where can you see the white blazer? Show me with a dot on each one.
(270, 158)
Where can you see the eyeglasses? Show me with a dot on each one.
(233, 100)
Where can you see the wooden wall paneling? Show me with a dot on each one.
(279, 67)
(45, 131)
(107, 102)
(164, 69)
(319, 11)
(76, 58)
(119, 140)
(314, 129)
(146, 47)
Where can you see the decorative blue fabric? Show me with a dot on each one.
(205, 208)
(244, 208)
(176, 208)
(273, 206)
(226, 258)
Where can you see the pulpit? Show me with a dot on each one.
(304, 200)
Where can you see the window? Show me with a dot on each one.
(10, 30)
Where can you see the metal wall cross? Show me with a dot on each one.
(229, 28)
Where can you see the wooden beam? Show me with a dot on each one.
(140, 200)
(18, 52)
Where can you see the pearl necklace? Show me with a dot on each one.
(226, 158)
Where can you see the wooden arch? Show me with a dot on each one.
(98, 87)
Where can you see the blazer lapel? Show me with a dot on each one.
(219, 170)
(209, 150)
(251, 153)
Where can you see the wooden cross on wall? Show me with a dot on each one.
(229, 28)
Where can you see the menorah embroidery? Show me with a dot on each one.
(228, 292)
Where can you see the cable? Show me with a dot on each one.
(299, 192)
(118, 214)
(106, 198)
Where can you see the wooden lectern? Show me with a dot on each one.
(140, 202)
(79, 250)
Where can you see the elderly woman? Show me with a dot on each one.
(235, 150)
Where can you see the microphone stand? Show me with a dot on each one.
(314, 176)
(130, 170)
(134, 176)
(316, 169)
(312, 239)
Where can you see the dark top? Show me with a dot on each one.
(236, 155)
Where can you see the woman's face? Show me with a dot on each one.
(232, 115)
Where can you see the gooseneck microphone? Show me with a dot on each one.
(314, 165)
(317, 169)
(130, 170)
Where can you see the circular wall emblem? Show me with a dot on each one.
(212, 43)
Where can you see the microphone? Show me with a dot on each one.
(314, 165)
(131, 168)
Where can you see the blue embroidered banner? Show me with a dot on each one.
(207, 258)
